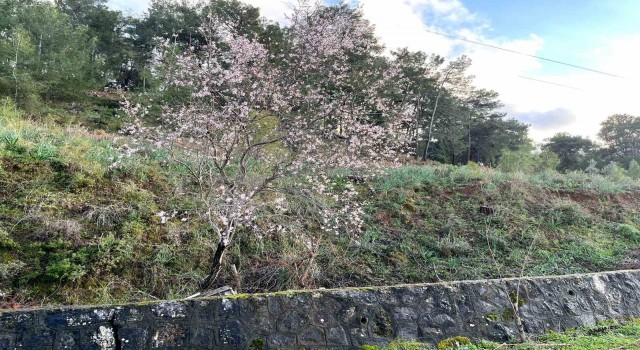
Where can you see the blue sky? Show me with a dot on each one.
(599, 34)
(571, 29)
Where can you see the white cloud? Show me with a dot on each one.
(443, 11)
(133, 7)
(400, 24)
(552, 119)
(602, 95)
(403, 23)
(274, 10)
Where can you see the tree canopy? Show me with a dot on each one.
(62, 51)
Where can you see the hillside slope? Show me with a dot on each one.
(81, 221)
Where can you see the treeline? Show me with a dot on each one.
(616, 156)
(60, 51)
(620, 136)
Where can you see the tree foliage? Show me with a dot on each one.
(621, 135)
(527, 159)
(574, 151)
(248, 121)
(45, 55)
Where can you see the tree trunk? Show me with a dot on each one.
(469, 139)
(417, 125)
(453, 155)
(17, 42)
(216, 266)
(40, 50)
(425, 154)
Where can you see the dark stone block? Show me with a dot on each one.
(133, 336)
(35, 337)
(312, 336)
(18, 321)
(127, 315)
(205, 310)
(404, 314)
(349, 315)
(356, 334)
(281, 341)
(6, 341)
(66, 340)
(429, 333)
(437, 300)
(535, 326)
(443, 321)
(230, 334)
(502, 332)
(325, 312)
(408, 331)
(168, 335)
(203, 336)
(276, 307)
(293, 322)
(227, 309)
(362, 297)
(261, 323)
(250, 307)
(464, 303)
(337, 336)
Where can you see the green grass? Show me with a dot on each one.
(75, 229)
(609, 335)
(605, 336)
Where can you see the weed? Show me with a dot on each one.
(629, 232)
(453, 343)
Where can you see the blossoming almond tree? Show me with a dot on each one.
(253, 118)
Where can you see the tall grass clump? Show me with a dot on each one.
(406, 177)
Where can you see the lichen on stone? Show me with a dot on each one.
(104, 338)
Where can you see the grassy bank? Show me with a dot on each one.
(604, 336)
(80, 223)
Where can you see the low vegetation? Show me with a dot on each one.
(607, 335)
(84, 221)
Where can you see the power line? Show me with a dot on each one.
(522, 53)
(551, 83)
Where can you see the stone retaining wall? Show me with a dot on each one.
(332, 319)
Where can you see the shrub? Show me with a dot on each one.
(629, 232)
(453, 245)
(526, 160)
(406, 177)
(407, 345)
(133, 228)
(614, 172)
(563, 212)
(592, 168)
(9, 271)
(5, 240)
(63, 269)
(453, 343)
(634, 170)
(8, 111)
